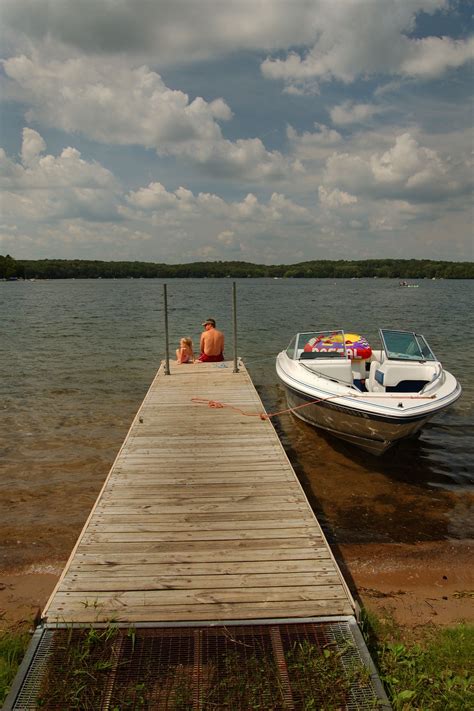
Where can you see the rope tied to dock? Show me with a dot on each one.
(212, 403)
(216, 404)
(262, 415)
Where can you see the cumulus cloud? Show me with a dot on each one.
(227, 237)
(346, 39)
(322, 136)
(244, 158)
(313, 145)
(350, 112)
(432, 56)
(70, 203)
(32, 146)
(46, 186)
(408, 164)
(74, 207)
(372, 192)
(112, 103)
(209, 227)
(407, 171)
(303, 87)
(163, 206)
(335, 198)
(363, 37)
(167, 30)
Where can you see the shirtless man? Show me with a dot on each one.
(212, 343)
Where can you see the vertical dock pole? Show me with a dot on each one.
(167, 343)
(234, 312)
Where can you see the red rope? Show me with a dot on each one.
(263, 415)
(266, 416)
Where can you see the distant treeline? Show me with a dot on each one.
(88, 269)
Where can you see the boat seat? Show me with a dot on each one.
(407, 386)
(375, 386)
(398, 377)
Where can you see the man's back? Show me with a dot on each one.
(212, 342)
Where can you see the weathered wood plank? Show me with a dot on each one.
(210, 555)
(108, 570)
(178, 546)
(110, 508)
(202, 612)
(143, 536)
(160, 480)
(198, 596)
(266, 528)
(193, 489)
(82, 583)
(208, 519)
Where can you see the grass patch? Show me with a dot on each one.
(78, 668)
(431, 672)
(235, 681)
(13, 644)
(321, 680)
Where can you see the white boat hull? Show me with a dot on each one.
(372, 421)
(374, 435)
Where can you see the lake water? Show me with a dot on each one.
(79, 355)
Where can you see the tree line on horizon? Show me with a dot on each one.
(11, 269)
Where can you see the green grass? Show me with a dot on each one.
(431, 672)
(77, 669)
(243, 682)
(319, 680)
(13, 645)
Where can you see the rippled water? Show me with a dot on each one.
(79, 355)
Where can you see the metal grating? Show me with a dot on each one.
(29, 689)
(270, 667)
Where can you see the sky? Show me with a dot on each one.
(267, 131)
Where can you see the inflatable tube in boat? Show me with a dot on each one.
(357, 347)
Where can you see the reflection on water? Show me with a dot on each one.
(81, 354)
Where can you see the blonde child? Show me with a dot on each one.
(185, 353)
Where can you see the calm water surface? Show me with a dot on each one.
(79, 355)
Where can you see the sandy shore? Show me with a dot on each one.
(415, 584)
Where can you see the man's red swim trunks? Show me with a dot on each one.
(211, 359)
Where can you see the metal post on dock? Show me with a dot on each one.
(167, 344)
(234, 312)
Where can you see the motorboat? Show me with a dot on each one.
(371, 398)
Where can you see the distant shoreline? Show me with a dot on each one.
(405, 269)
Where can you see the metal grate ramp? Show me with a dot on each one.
(269, 667)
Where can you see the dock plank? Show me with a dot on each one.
(211, 554)
(110, 570)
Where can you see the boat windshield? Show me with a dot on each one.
(317, 344)
(405, 345)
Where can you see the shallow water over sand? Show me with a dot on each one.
(79, 356)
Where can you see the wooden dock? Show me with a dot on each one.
(201, 518)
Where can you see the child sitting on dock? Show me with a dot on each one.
(185, 353)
